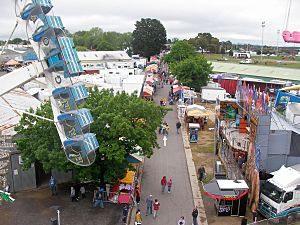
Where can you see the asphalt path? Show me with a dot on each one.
(167, 161)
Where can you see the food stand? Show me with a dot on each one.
(231, 196)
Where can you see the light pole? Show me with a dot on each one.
(263, 24)
(278, 32)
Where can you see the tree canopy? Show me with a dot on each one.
(205, 41)
(149, 37)
(121, 121)
(99, 40)
(193, 72)
(180, 50)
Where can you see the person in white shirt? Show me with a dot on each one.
(181, 221)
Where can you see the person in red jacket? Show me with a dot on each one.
(156, 206)
(170, 182)
(163, 183)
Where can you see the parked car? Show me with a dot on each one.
(246, 61)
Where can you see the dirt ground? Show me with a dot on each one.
(203, 155)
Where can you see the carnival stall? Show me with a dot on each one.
(148, 92)
(121, 192)
(230, 196)
(196, 114)
(153, 68)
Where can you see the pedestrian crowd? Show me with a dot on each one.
(153, 205)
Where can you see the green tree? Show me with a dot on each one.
(193, 72)
(103, 41)
(39, 141)
(180, 50)
(149, 37)
(105, 46)
(121, 121)
(17, 41)
(205, 41)
(81, 48)
(222, 51)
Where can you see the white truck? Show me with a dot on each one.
(211, 94)
(280, 195)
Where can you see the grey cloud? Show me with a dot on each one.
(230, 19)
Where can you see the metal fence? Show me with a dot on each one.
(291, 219)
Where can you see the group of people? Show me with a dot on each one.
(165, 183)
(181, 220)
(77, 191)
(164, 128)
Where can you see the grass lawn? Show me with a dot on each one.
(277, 61)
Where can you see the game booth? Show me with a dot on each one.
(230, 196)
(121, 192)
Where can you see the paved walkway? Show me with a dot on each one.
(168, 161)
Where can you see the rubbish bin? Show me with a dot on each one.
(54, 221)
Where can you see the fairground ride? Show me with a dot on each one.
(59, 63)
(288, 36)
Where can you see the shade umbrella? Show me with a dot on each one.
(177, 89)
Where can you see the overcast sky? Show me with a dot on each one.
(235, 20)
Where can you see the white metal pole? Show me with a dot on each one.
(58, 217)
(278, 32)
(263, 24)
(6, 43)
(28, 113)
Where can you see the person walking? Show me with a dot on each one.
(181, 221)
(53, 185)
(125, 213)
(163, 183)
(138, 218)
(161, 101)
(82, 191)
(195, 215)
(149, 203)
(72, 194)
(156, 206)
(7, 188)
(98, 199)
(137, 195)
(178, 125)
(167, 129)
(170, 185)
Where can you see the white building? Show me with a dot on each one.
(95, 62)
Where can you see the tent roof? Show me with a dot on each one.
(195, 106)
(197, 113)
(134, 158)
(129, 178)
